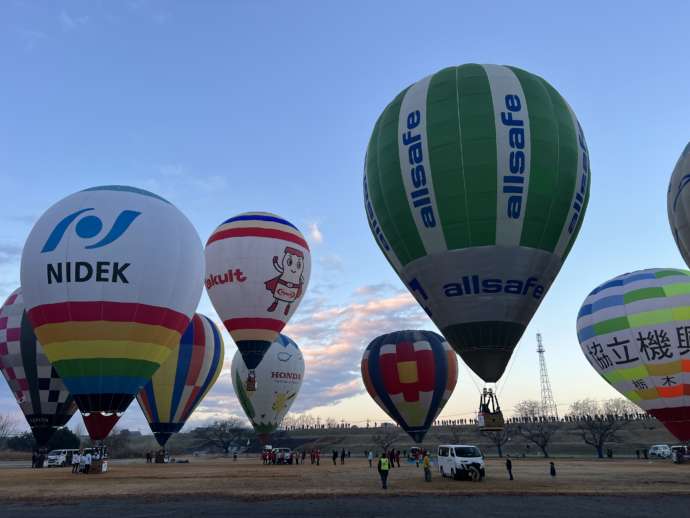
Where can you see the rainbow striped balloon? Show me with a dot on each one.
(257, 270)
(178, 387)
(111, 277)
(411, 375)
(635, 332)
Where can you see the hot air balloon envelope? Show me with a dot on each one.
(279, 377)
(257, 270)
(678, 204)
(635, 331)
(180, 384)
(36, 386)
(411, 375)
(475, 186)
(111, 277)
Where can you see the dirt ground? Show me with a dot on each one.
(248, 479)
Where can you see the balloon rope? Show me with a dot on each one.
(471, 375)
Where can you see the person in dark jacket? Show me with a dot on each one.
(509, 468)
(335, 457)
(342, 456)
(552, 469)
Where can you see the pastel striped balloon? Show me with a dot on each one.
(40, 393)
(111, 277)
(635, 332)
(183, 381)
(475, 187)
(411, 375)
(257, 270)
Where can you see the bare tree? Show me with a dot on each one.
(533, 426)
(223, 434)
(598, 423)
(386, 438)
(8, 426)
(500, 439)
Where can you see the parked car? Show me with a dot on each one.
(661, 451)
(680, 454)
(461, 461)
(60, 458)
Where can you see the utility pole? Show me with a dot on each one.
(548, 405)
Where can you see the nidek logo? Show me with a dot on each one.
(89, 227)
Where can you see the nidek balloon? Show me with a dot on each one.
(42, 396)
(185, 378)
(635, 332)
(111, 277)
(476, 183)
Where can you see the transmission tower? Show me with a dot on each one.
(548, 405)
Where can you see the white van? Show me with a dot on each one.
(662, 451)
(60, 458)
(461, 461)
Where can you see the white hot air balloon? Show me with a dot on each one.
(279, 378)
(111, 278)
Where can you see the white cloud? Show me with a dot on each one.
(69, 23)
(315, 233)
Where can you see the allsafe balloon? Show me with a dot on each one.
(475, 187)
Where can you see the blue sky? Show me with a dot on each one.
(224, 107)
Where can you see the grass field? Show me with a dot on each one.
(249, 479)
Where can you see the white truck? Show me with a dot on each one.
(461, 461)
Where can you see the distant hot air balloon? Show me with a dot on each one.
(411, 375)
(111, 277)
(257, 270)
(184, 379)
(278, 377)
(36, 386)
(635, 332)
(475, 186)
(678, 204)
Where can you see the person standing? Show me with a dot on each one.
(370, 458)
(552, 469)
(342, 456)
(318, 457)
(87, 463)
(34, 459)
(335, 457)
(384, 467)
(75, 462)
(397, 457)
(509, 467)
(427, 467)
(391, 458)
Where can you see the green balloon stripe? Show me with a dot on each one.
(568, 150)
(645, 318)
(445, 158)
(106, 367)
(478, 144)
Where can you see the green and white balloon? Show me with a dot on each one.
(475, 186)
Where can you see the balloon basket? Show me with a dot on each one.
(489, 417)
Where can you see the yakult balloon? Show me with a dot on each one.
(635, 332)
(39, 391)
(278, 377)
(678, 204)
(257, 270)
(111, 277)
(475, 187)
